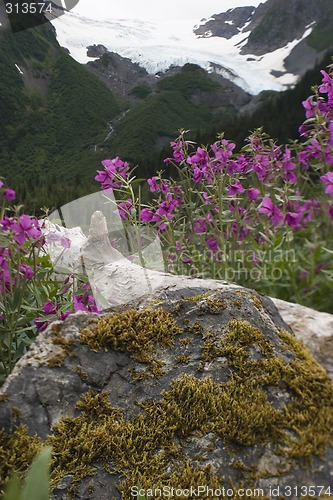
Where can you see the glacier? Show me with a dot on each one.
(157, 44)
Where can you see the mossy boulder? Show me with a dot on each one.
(190, 388)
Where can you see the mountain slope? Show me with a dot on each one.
(186, 97)
(52, 109)
(276, 23)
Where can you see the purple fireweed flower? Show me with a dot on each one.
(328, 180)
(200, 226)
(115, 172)
(288, 166)
(166, 208)
(4, 267)
(163, 213)
(65, 242)
(6, 223)
(292, 219)
(314, 149)
(330, 139)
(26, 227)
(153, 186)
(63, 316)
(325, 108)
(303, 158)
(267, 207)
(326, 86)
(206, 197)
(1, 184)
(235, 188)
(178, 152)
(146, 215)
(164, 187)
(198, 175)
(212, 244)
(240, 164)
(222, 152)
(303, 130)
(85, 301)
(200, 158)
(253, 194)
(255, 259)
(116, 166)
(320, 266)
(9, 194)
(303, 275)
(27, 271)
(124, 208)
(310, 107)
(261, 166)
(49, 308)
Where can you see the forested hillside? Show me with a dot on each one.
(51, 110)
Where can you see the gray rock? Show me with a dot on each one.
(314, 328)
(201, 383)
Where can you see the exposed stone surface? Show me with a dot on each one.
(314, 328)
(243, 403)
(227, 24)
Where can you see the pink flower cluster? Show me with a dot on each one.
(52, 310)
(20, 229)
(114, 173)
(252, 194)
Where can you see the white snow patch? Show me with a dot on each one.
(19, 69)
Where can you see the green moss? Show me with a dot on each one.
(138, 333)
(17, 451)
(83, 376)
(185, 341)
(196, 327)
(57, 360)
(183, 359)
(66, 345)
(256, 301)
(212, 306)
(150, 447)
(197, 298)
(309, 414)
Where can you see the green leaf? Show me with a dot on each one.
(13, 489)
(139, 496)
(37, 483)
(327, 250)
